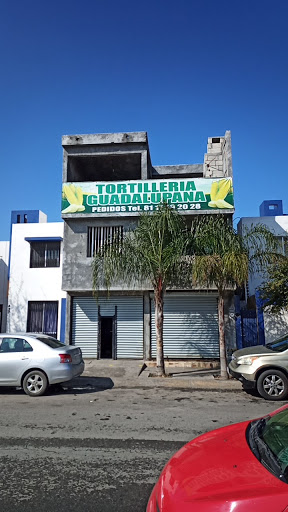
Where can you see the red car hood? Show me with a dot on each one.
(217, 472)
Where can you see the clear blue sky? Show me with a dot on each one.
(182, 71)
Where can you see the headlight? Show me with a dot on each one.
(246, 360)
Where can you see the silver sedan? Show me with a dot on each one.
(35, 361)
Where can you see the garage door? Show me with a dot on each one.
(190, 326)
(129, 324)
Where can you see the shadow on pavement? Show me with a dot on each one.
(251, 392)
(79, 385)
(82, 385)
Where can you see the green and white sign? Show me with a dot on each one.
(136, 196)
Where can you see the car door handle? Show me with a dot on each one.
(24, 358)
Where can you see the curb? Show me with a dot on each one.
(192, 384)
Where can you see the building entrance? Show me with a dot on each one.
(106, 336)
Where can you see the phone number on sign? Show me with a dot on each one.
(145, 208)
(185, 206)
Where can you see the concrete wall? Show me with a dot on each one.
(4, 262)
(77, 267)
(275, 325)
(27, 284)
(77, 272)
(218, 159)
(108, 144)
(179, 171)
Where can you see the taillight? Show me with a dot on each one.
(65, 358)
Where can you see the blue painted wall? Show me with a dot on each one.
(63, 320)
(271, 208)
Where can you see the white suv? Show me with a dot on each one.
(264, 368)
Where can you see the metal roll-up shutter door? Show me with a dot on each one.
(130, 327)
(129, 324)
(190, 326)
(85, 325)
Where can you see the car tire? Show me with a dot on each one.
(35, 383)
(272, 385)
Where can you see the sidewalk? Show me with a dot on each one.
(126, 373)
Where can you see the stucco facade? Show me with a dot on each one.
(29, 284)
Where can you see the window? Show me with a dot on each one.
(50, 342)
(43, 317)
(268, 439)
(15, 345)
(99, 235)
(27, 347)
(45, 254)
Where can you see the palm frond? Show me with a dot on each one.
(154, 248)
(223, 256)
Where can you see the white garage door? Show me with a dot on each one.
(190, 326)
(129, 324)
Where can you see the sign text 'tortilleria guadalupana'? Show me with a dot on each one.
(136, 196)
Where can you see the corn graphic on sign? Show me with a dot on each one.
(136, 196)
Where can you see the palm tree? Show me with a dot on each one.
(151, 253)
(222, 258)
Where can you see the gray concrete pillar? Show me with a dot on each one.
(68, 320)
(144, 165)
(228, 171)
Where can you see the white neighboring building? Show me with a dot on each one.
(4, 263)
(271, 215)
(36, 302)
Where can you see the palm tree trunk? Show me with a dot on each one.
(158, 298)
(222, 347)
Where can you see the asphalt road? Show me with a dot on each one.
(89, 449)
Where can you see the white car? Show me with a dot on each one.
(264, 368)
(35, 361)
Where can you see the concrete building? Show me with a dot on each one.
(271, 215)
(108, 179)
(36, 302)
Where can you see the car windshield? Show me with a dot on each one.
(268, 439)
(51, 342)
(279, 345)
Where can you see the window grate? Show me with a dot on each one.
(97, 236)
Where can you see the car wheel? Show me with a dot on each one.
(35, 383)
(273, 385)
